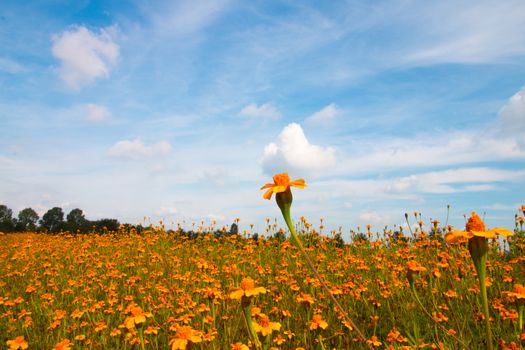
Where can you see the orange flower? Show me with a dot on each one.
(64, 345)
(318, 322)
(264, 326)
(240, 346)
(137, 316)
(415, 266)
(475, 228)
(281, 182)
(247, 289)
(17, 343)
(518, 292)
(184, 336)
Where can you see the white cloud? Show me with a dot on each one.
(9, 66)
(453, 180)
(85, 55)
(166, 210)
(372, 217)
(96, 113)
(136, 149)
(264, 111)
(512, 114)
(431, 150)
(217, 176)
(216, 217)
(476, 32)
(294, 151)
(328, 113)
(185, 16)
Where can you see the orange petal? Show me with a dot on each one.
(298, 183)
(456, 236)
(486, 234)
(268, 194)
(237, 294)
(503, 231)
(278, 189)
(267, 186)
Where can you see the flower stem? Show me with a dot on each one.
(245, 304)
(520, 317)
(414, 293)
(285, 205)
(478, 248)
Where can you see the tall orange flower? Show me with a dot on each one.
(281, 182)
(477, 236)
(476, 228)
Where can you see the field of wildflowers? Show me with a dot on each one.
(160, 290)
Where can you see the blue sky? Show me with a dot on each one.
(182, 110)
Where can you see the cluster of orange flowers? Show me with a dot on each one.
(160, 290)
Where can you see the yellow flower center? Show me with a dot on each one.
(475, 224)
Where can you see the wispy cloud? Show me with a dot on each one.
(476, 32)
(183, 17)
(454, 180)
(96, 113)
(9, 66)
(264, 111)
(326, 114)
(512, 115)
(85, 55)
(136, 149)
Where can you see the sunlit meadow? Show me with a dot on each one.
(209, 289)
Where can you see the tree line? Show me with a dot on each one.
(54, 220)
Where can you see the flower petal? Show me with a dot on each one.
(278, 189)
(268, 194)
(267, 186)
(298, 183)
(237, 294)
(486, 233)
(456, 236)
(503, 231)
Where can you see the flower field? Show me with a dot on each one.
(160, 290)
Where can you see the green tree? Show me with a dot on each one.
(76, 221)
(234, 229)
(27, 220)
(7, 223)
(106, 225)
(53, 220)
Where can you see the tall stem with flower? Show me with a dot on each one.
(283, 196)
(477, 236)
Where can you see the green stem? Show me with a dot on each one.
(248, 318)
(285, 205)
(480, 265)
(520, 318)
(414, 293)
(141, 337)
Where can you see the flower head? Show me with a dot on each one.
(475, 227)
(317, 322)
(185, 336)
(281, 183)
(518, 293)
(247, 289)
(17, 343)
(265, 326)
